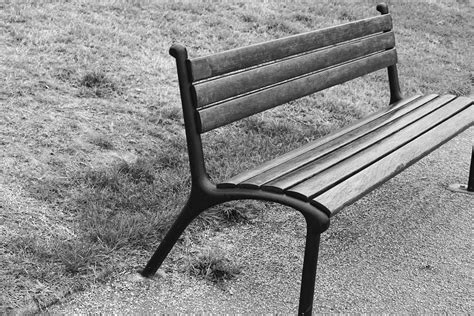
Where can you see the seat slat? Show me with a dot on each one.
(324, 180)
(371, 177)
(235, 109)
(293, 171)
(344, 135)
(240, 58)
(229, 86)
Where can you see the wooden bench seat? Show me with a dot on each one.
(375, 148)
(321, 177)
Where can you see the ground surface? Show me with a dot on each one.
(404, 248)
(93, 164)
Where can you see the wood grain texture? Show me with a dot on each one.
(313, 161)
(324, 180)
(240, 58)
(235, 109)
(242, 82)
(377, 173)
(344, 134)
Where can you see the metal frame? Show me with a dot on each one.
(205, 194)
(470, 182)
(395, 93)
(469, 187)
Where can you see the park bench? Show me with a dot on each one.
(323, 176)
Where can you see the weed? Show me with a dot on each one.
(97, 84)
(346, 16)
(173, 114)
(281, 27)
(212, 265)
(249, 18)
(229, 214)
(235, 215)
(101, 141)
(304, 18)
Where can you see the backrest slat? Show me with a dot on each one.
(246, 105)
(240, 58)
(232, 85)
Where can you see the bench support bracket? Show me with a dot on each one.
(205, 195)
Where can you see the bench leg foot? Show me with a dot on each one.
(460, 188)
(309, 272)
(470, 182)
(184, 219)
(469, 188)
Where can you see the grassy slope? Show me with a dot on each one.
(93, 163)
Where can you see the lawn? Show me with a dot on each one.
(93, 156)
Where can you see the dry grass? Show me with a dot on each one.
(210, 264)
(93, 161)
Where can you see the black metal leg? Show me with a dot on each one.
(309, 272)
(463, 188)
(184, 219)
(470, 182)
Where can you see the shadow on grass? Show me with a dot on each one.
(126, 206)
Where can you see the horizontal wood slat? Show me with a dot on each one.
(386, 168)
(323, 181)
(229, 86)
(343, 135)
(235, 109)
(288, 173)
(332, 158)
(240, 58)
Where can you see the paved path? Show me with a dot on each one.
(405, 248)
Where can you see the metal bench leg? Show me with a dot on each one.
(470, 183)
(463, 188)
(184, 219)
(309, 271)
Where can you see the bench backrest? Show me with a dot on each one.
(225, 87)
(244, 81)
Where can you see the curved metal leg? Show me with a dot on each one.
(309, 271)
(189, 212)
(463, 188)
(470, 181)
(206, 195)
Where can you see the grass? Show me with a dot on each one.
(97, 84)
(210, 264)
(93, 161)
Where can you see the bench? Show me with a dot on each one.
(322, 177)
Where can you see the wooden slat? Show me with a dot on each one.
(368, 179)
(324, 180)
(296, 170)
(235, 109)
(229, 86)
(345, 134)
(240, 58)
